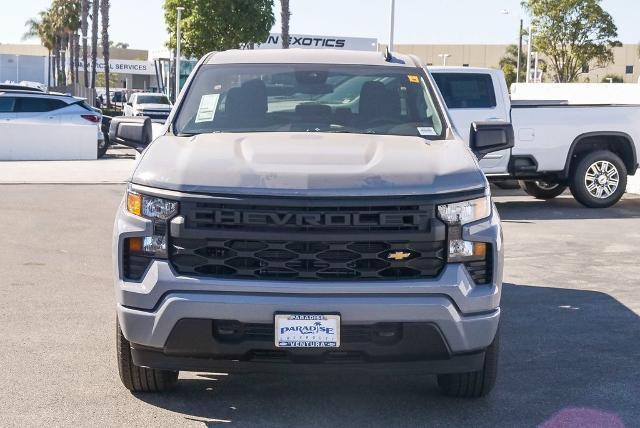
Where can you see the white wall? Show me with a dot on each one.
(633, 184)
(47, 142)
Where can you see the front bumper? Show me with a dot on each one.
(152, 313)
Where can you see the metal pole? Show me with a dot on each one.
(519, 53)
(529, 53)
(535, 68)
(178, 37)
(17, 68)
(393, 10)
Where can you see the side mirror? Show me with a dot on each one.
(134, 132)
(491, 136)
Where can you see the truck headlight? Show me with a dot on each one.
(476, 256)
(139, 251)
(464, 212)
(151, 207)
(464, 251)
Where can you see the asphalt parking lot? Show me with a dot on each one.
(570, 348)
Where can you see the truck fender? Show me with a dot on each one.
(604, 140)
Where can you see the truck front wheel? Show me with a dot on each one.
(474, 384)
(542, 189)
(140, 379)
(599, 179)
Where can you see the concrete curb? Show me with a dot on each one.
(106, 171)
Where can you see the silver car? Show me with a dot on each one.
(36, 118)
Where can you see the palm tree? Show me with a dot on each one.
(84, 25)
(94, 40)
(44, 30)
(285, 14)
(104, 11)
(508, 64)
(76, 56)
(67, 20)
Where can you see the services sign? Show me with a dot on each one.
(125, 66)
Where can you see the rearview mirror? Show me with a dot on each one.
(492, 136)
(134, 132)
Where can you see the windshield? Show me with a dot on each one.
(152, 99)
(309, 98)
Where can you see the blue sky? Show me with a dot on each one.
(140, 22)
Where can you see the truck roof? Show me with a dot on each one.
(458, 69)
(309, 56)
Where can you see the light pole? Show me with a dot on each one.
(518, 65)
(444, 57)
(393, 11)
(529, 42)
(178, 36)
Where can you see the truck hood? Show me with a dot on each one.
(304, 164)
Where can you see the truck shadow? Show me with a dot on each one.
(563, 208)
(568, 357)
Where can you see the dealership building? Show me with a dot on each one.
(626, 62)
(130, 68)
(135, 69)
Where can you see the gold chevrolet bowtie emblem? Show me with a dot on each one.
(398, 255)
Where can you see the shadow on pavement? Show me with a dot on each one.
(569, 358)
(565, 208)
(120, 152)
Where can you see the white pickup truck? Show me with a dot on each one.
(589, 148)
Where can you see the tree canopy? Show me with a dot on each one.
(214, 25)
(573, 34)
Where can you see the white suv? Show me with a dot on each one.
(44, 126)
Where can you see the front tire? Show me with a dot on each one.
(141, 379)
(599, 179)
(474, 384)
(542, 189)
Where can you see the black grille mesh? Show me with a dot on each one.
(307, 260)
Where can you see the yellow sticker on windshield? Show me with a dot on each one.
(413, 78)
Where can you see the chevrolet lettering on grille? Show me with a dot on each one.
(230, 217)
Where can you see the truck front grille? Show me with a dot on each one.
(317, 260)
(305, 239)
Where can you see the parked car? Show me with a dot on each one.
(154, 106)
(36, 123)
(282, 218)
(589, 148)
(118, 97)
(18, 87)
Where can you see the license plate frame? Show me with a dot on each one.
(297, 338)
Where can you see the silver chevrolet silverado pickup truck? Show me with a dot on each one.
(308, 207)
